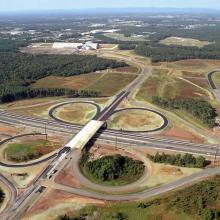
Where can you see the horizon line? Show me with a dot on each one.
(110, 8)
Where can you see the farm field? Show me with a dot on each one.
(79, 113)
(135, 120)
(184, 42)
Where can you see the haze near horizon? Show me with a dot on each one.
(38, 5)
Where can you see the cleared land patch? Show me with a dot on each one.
(111, 83)
(122, 37)
(72, 82)
(79, 113)
(188, 42)
(167, 85)
(100, 82)
(190, 65)
(135, 120)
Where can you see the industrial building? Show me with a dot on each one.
(89, 45)
(64, 45)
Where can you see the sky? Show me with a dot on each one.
(24, 5)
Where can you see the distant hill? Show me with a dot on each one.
(119, 11)
(149, 10)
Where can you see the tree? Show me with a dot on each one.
(200, 162)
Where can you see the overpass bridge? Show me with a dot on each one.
(81, 139)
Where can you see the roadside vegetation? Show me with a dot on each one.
(2, 196)
(186, 160)
(112, 170)
(199, 201)
(200, 109)
(23, 152)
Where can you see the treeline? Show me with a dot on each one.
(201, 109)
(158, 52)
(12, 93)
(122, 46)
(2, 196)
(113, 167)
(186, 160)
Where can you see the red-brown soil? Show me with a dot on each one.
(182, 134)
(66, 177)
(54, 197)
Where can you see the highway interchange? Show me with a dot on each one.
(18, 205)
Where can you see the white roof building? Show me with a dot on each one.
(63, 45)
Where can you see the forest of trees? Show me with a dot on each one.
(22, 67)
(18, 71)
(198, 200)
(201, 109)
(9, 45)
(158, 52)
(113, 167)
(186, 160)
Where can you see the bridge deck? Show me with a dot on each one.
(85, 135)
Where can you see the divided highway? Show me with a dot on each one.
(124, 138)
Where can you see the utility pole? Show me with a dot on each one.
(116, 142)
(45, 131)
(216, 153)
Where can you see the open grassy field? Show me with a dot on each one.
(193, 65)
(108, 46)
(122, 37)
(73, 82)
(216, 77)
(111, 83)
(184, 42)
(169, 85)
(102, 82)
(79, 113)
(29, 149)
(135, 120)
